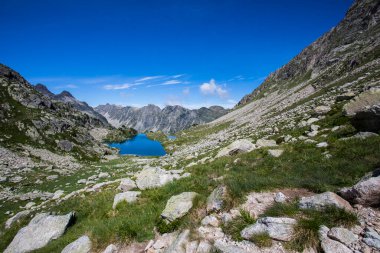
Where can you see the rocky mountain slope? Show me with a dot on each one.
(31, 120)
(170, 119)
(294, 169)
(68, 98)
(350, 46)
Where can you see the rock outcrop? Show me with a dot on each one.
(39, 232)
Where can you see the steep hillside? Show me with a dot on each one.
(67, 98)
(151, 118)
(32, 120)
(351, 46)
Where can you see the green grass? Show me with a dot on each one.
(236, 225)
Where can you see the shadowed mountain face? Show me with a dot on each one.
(68, 98)
(152, 118)
(349, 46)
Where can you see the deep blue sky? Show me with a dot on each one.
(136, 52)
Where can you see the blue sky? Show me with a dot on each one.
(136, 52)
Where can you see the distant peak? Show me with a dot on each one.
(65, 94)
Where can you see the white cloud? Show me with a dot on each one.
(211, 88)
(117, 86)
(148, 78)
(170, 82)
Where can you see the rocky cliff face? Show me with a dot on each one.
(349, 46)
(68, 98)
(30, 118)
(151, 118)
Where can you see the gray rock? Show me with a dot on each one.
(65, 145)
(323, 109)
(111, 249)
(179, 244)
(275, 152)
(266, 143)
(178, 206)
(280, 197)
(16, 218)
(58, 194)
(372, 238)
(216, 199)
(342, 235)
(324, 200)
(277, 228)
(153, 177)
(39, 232)
(51, 177)
(364, 111)
(322, 145)
(127, 184)
(366, 192)
(331, 246)
(81, 245)
(204, 247)
(128, 196)
(103, 175)
(237, 147)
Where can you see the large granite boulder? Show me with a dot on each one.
(178, 206)
(39, 232)
(126, 184)
(236, 147)
(81, 245)
(276, 227)
(154, 177)
(329, 245)
(366, 192)
(323, 200)
(364, 111)
(16, 218)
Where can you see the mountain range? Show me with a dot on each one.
(170, 119)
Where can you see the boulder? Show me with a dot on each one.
(331, 246)
(65, 145)
(342, 235)
(178, 206)
(366, 192)
(364, 111)
(153, 177)
(103, 175)
(236, 147)
(39, 232)
(372, 238)
(179, 244)
(81, 245)
(322, 109)
(16, 218)
(322, 145)
(276, 227)
(129, 197)
(275, 152)
(204, 247)
(216, 199)
(127, 184)
(280, 197)
(58, 194)
(111, 249)
(266, 143)
(323, 200)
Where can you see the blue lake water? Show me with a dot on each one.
(140, 145)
